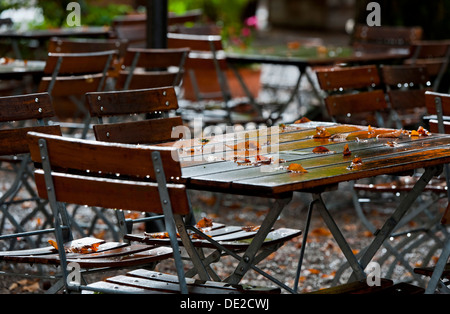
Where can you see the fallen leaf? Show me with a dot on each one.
(321, 150)
(302, 120)
(321, 232)
(346, 151)
(204, 223)
(296, 168)
(321, 132)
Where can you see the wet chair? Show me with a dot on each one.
(68, 76)
(224, 240)
(21, 210)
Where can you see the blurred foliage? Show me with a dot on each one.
(229, 14)
(433, 16)
(55, 13)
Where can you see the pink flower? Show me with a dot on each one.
(252, 21)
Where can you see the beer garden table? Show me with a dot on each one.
(43, 35)
(303, 55)
(246, 164)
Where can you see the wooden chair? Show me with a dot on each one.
(69, 76)
(149, 68)
(434, 55)
(206, 69)
(160, 130)
(405, 87)
(382, 38)
(439, 104)
(19, 115)
(353, 94)
(132, 28)
(80, 45)
(135, 189)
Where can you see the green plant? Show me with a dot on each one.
(227, 14)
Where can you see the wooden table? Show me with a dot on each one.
(45, 34)
(381, 151)
(303, 56)
(17, 69)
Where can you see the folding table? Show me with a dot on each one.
(230, 164)
(304, 55)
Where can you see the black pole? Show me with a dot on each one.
(157, 12)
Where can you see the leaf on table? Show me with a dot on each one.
(321, 132)
(322, 150)
(296, 168)
(346, 151)
(247, 145)
(302, 120)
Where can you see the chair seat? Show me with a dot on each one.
(150, 282)
(106, 254)
(231, 237)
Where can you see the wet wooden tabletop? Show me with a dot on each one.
(257, 162)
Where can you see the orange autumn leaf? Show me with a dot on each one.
(314, 271)
(204, 223)
(321, 150)
(321, 132)
(297, 168)
(414, 133)
(293, 45)
(302, 120)
(346, 151)
(53, 243)
(321, 232)
(247, 145)
(423, 132)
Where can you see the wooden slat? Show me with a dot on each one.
(26, 107)
(133, 101)
(148, 80)
(110, 193)
(332, 174)
(72, 85)
(356, 103)
(78, 63)
(430, 101)
(138, 132)
(155, 58)
(106, 157)
(14, 141)
(352, 77)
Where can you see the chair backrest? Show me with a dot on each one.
(31, 110)
(192, 16)
(80, 45)
(405, 87)
(351, 94)
(93, 176)
(149, 68)
(132, 28)
(434, 55)
(384, 37)
(76, 73)
(205, 66)
(125, 103)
